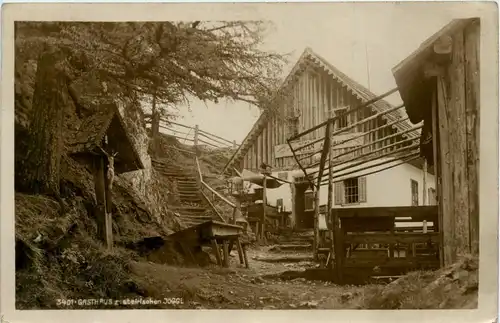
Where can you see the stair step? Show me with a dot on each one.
(188, 186)
(197, 218)
(189, 208)
(190, 197)
(190, 193)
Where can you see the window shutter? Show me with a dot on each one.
(362, 189)
(338, 193)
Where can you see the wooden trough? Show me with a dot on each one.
(218, 235)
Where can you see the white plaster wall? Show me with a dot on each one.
(391, 187)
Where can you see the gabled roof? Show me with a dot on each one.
(92, 131)
(358, 90)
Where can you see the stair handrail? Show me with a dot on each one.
(213, 191)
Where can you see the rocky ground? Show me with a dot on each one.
(240, 288)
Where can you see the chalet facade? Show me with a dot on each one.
(313, 91)
(310, 91)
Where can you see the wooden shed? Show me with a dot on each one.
(439, 84)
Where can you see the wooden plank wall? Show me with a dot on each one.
(312, 94)
(458, 117)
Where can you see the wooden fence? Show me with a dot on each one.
(376, 228)
(194, 135)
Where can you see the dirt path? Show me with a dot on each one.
(238, 287)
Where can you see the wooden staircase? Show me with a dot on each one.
(191, 206)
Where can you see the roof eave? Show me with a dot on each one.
(408, 71)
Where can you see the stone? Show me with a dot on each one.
(346, 296)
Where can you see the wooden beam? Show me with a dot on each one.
(329, 204)
(364, 161)
(316, 223)
(225, 248)
(243, 247)
(361, 106)
(472, 71)
(391, 238)
(437, 170)
(417, 213)
(240, 251)
(424, 185)
(458, 145)
(404, 159)
(443, 46)
(427, 262)
(301, 167)
(446, 198)
(339, 251)
(103, 225)
(264, 207)
(216, 250)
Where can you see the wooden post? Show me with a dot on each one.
(424, 189)
(446, 196)
(316, 223)
(329, 204)
(472, 72)
(338, 246)
(225, 248)
(101, 209)
(424, 196)
(293, 216)
(215, 248)
(264, 203)
(234, 144)
(240, 251)
(245, 258)
(108, 219)
(437, 173)
(196, 131)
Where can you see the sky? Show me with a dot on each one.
(360, 39)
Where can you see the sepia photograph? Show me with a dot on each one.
(309, 158)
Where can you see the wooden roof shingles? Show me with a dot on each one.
(93, 129)
(361, 92)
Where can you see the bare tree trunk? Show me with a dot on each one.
(45, 142)
(155, 127)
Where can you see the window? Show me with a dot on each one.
(309, 200)
(414, 193)
(301, 179)
(350, 191)
(432, 196)
(342, 121)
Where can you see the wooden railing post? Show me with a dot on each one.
(264, 203)
(234, 144)
(196, 134)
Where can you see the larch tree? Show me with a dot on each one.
(163, 62)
